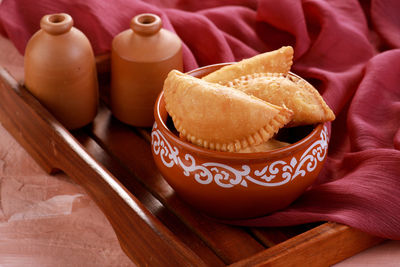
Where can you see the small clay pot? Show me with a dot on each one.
(141, 58)
(60, 71)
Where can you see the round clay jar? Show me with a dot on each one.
(141, 59)
(60, 71)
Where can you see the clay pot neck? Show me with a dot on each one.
(146, 24)
(56, 24)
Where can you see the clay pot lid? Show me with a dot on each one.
(146, 24)
(56, 24)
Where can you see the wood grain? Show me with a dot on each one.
(324, 245)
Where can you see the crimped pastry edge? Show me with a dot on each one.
(303, 84)
(260, 136)
(288, 59)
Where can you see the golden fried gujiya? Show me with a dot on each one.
(279, 61)
(287, 90)
(219, 117)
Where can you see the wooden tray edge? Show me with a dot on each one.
(324, 245)
(141, 235)
(307, 247)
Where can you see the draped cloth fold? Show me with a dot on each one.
(348, 49)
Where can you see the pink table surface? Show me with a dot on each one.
(48, 220)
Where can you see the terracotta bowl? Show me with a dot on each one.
(237, 185)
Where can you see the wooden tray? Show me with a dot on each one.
(113, 162)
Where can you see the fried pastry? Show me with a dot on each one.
(287, 90)
(271, 144)
(219, 117)
(279, 61)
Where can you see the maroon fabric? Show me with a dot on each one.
(348, 49)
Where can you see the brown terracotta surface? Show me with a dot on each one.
(140, 61)
(236, 185)
(60, 71)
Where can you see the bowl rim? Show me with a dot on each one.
(275, 153)
(230, 155)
